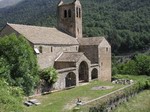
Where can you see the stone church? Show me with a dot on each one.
(76, 58)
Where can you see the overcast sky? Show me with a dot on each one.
(5, 3)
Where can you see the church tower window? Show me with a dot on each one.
(65, 13)
(70, 18)
(77, 11)
(69, 13)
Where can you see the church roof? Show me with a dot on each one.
(43, 35)
(90, 40)
(70, 57)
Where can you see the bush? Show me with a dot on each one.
(10, 98)
(49, 75)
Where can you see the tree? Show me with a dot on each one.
(18, 64)
(138, 65)
(10, 98)
(142, 64)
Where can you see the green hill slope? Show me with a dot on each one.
(126, 23)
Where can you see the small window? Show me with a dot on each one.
(107, 49)
(77, 48)
(40, 49)
(65, 13)
(77, 12)
(69, 13)
(101, 63)
(78, 31)
(51, 49)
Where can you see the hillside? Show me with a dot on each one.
(126, 23)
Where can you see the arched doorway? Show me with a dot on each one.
(70, 79)
(94, 74)
(83, 72)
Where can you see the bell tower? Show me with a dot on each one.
(69, 18)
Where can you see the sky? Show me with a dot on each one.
(5, 3)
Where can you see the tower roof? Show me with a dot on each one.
(60, 2)
(65, 2)
(91, 40)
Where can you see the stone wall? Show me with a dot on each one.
(50, 53)
(70, 23)
(61, 82)
(91, 52)
(62, 73)
(62, 65)
(105, 60)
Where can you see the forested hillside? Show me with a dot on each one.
(126, 23)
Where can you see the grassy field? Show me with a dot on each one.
(140, 78)
(140, 103)
(65, 100)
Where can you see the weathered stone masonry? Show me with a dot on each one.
(76, 58)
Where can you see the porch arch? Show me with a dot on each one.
(83, 72)
(94, 74)
(70, 79)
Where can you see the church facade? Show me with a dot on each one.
(76, 58)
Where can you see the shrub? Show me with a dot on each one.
(49, 75)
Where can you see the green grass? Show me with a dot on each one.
(141, 79)
(133, 77)
(140, 103)
(64, 101)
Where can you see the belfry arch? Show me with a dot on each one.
(83, 72)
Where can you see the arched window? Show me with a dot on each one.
(69, 13)
(94, 73)
(77, 12)
(65, 13)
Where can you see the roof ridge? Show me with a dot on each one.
(31, 25)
